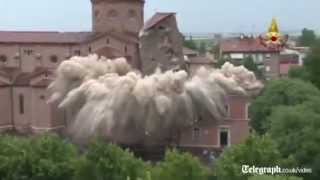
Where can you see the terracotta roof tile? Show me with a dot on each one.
(244, 45)
(155, 19)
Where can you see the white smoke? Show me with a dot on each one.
(110, 99)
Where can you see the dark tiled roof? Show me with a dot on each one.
(244, 45)
(43, 37)
(155, 19)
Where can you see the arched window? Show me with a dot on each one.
(54, 59)
(3, 58)
(112, 13)
(21, 103)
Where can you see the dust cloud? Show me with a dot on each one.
(108, 98)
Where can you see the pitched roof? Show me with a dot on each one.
(156, 19)
(43, 37)
(244, 45)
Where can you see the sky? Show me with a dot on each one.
(194, 16)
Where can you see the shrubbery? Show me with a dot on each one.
(49, 157)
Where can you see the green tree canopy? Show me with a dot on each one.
(203, 48)
(296, 129)
(307, 38)
(37, 158)
(300, 72)
(249, 63)
(256, 151)
(106, 161)
(274, 178)
(287, 92)
(179, 166)
(190, 43)
(312, 64)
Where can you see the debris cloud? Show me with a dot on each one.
(108, 98)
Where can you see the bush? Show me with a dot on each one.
(256, 151)
(106, 161)
(180, 166)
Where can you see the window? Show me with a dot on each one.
(42, 97)
(21, 104)
(224, 137)
(247, 110)
(125, 49)
(112, 13)
(89, 49)
(196, 133)
(28, 51)
(132, 14)
(54, 59)
(161, 28)
(3, 58)
(227, 109)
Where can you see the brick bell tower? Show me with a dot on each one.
(122, 16)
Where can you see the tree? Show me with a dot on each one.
(180, 166)
(308, 37)
(15, 158)
(287, 92)
(190, 44)
(106, 161)
(249, 63)
(299, 73)
(274, 178)
(52, 158)
(312, 64)
(203, 48)
(38, 158)
(255, 151)
(296, 130)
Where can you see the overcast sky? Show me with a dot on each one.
(193, 15)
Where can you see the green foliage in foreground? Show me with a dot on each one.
(256, 151)
(283, 92)
(51, 158)
(178, 166)
(36, 158)
(274, 178)
(296, 129)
